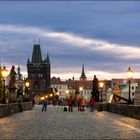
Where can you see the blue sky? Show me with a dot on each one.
(104, 36)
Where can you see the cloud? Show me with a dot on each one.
(123, 51)
(66, 50)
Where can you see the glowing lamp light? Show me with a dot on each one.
(51, 95)
(81, 88)
(42, 98)
(67, 91)
(27, 84)
(46, 96)
(57, 93)
(4, 72)
(129, 73)
(101, 84)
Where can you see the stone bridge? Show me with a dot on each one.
(56, 124)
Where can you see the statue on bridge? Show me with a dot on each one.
(95, 89)
(12, 77)
(116, 91)
(12, 86)
(116, 96)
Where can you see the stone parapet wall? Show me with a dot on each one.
(100, 106)
(124, 109)
(8, 109)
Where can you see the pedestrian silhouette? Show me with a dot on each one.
(45, 103)
(70, 103)
(91, 102)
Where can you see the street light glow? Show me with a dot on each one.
(42, 98)
(67, 91)
(4, 72)
(27, 84)
(81, 88)
(101, 84)
(129, 73)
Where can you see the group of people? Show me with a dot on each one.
(80, 102)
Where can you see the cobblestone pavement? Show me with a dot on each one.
(56, 124)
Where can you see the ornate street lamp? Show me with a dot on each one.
(4, 73)
(27, 85)
(81, 90)
(129, 73)
(57, 93)
(101, 85)
(67, 92)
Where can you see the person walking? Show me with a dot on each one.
(33, 101)
(70, 103)
(79, 102)
(83, 104)
(45, 103)
(91, 102)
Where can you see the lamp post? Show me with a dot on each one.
(57, 94)
(4, 75)
(81, 91)
(101, 84)
(67, 93)
(27, 85)
(129, 73)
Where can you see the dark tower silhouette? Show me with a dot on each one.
(39, 71)
(95, 90)
(83, 76)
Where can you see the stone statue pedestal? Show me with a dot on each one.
(137, 96)
(13, 95)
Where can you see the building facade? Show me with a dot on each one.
(69, 87)
(39, 71)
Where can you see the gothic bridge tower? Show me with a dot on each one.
(39, 71)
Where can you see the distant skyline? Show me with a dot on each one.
(104, 36)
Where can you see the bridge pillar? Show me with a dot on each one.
(137, 96)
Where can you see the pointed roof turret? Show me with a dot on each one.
(18, 72)
(36, 55)
(28, 60)
(47, 59)
(83, 76)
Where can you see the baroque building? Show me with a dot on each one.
(73, 87)
(38, 71)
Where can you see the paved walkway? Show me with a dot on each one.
(56, 124)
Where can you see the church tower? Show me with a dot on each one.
(83, 76)
(39, 71)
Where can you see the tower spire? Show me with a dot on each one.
(18, 72)
(48, 59)
(36, 55)
(83, 76)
